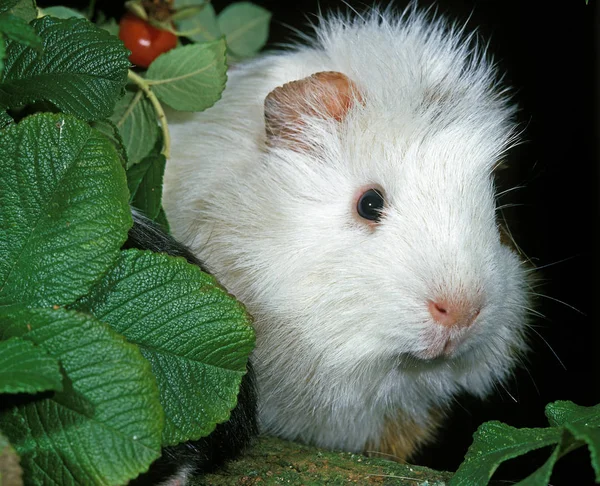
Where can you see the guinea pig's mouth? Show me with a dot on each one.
(442, 343)
(440, 347)
(415, 361)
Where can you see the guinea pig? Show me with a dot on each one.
(229, 439)
(343, 190)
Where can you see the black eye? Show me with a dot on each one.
(370, 204)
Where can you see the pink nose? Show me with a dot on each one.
(453, 314)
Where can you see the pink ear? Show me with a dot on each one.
(322, 95)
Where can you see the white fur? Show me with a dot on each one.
(341, 308)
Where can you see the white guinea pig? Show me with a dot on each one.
(343, 190)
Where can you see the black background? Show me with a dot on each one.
(548, 52)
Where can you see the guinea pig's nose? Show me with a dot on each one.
(453, 314)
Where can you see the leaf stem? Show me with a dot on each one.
(158, 109)
(90, 9)
(152, 82)
(135, 100)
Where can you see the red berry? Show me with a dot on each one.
(145, 41)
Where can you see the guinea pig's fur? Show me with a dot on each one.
(349, 354)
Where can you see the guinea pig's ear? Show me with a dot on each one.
(326, 95)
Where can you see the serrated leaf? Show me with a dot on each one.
(11, 473)
(19, 30)
(105, 427)
(2, 57)
(109, 25)
(5, 120)
(62, 12)
(110, 131)
(25, 9)
(190, 78)
(541, 476)
(494, 443)
(26, 368)
(196, 336)
(161, 219)
(6, 5)
(82, 70)
(245, 26)
(201, 27)
(583, 423)
(562, 412)
(591, 436)
(135, 118)
(145, 181)
(64, 210)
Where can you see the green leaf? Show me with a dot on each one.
(494, 443)
(2, 57)
(135, 118)
(26, 368)
(107, 23)
(591, 436)
(188, 11)
(6, 5)
(5, 120)
(82, 70)
(110, 25)
(25, 9)
(62, 12)
(190, 78)
(541, 476)
(563, 412)
(105, 427)
(246, 27)
(161, 219)
(64, 210)
(201, 27)
(11, 473)
(110, 131)
(196, 336)
(145, 181)
(19, 30)
(582, 422)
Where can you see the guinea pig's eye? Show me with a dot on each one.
(370, 204)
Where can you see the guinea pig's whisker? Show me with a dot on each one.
(549, 347)
(530, 376)
(536, 268)
(534, 312)
(393, 476)
(506, 191)
(381, 454)
(508, 232)
(507, 392)
(537, 326)
(509, 205)
(455, 400)
(560, 302)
